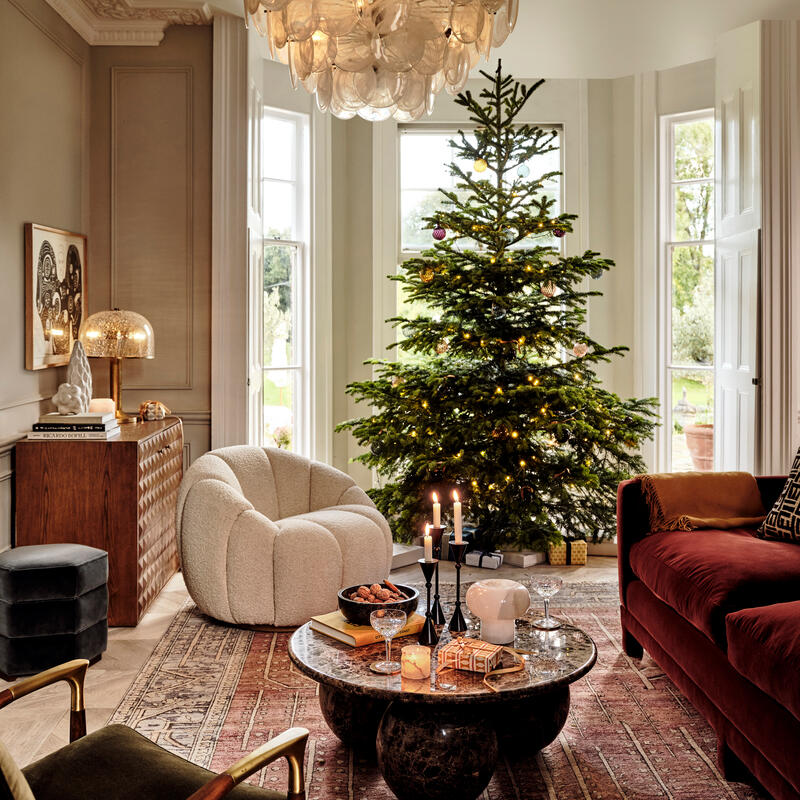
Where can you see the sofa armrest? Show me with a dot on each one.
(633, 524)
(633, 519)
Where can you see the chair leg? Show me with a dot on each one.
(631, 647)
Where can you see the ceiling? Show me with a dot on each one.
(564, 39)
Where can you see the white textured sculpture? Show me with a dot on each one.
(79, 373)
(70, 399)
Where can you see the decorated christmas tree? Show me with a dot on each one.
(494, 393)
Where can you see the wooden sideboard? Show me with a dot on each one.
(118, 495)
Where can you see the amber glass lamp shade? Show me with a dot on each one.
(117, 334)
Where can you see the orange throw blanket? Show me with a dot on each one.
(685, 501)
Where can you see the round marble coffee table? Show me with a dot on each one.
(440, 738)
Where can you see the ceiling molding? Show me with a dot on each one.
(129, 22)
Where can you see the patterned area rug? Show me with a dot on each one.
(212, 693)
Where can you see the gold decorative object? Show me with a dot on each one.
(115, 335)
(152, 410)
(381, 58)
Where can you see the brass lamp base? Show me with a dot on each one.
(116, 396)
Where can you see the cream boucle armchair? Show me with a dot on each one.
(267, 537)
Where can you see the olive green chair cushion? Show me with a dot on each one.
(116, 763)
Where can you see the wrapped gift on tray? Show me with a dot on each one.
(470, 654)
(485, 558)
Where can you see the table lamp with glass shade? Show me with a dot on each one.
(117, 334)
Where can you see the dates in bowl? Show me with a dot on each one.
(357, 602)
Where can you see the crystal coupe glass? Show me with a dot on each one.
(388, 623)
(546, 586)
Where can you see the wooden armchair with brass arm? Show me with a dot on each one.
(117, 763)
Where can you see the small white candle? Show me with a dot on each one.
(427, 541)
(457, 517)
(415, 662)
(437, 511)
(101, 405)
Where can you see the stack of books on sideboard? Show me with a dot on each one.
(99, 427)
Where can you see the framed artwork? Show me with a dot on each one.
(55, 294)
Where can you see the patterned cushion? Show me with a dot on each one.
(783, 519)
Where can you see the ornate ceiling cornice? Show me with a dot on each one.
(129, 22)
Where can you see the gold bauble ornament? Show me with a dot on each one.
(480, 165)
(398, 381)
(426, 275)
(442, 347)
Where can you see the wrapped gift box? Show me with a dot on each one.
(484, 558)
(470, 654)
(557, 553)
(577, 552)
(570, 551)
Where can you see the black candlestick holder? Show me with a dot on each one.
(437, 531)
(458, 624)
(428, 633)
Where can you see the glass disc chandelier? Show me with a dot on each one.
(381, 58)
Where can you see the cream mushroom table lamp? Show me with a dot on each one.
(117, 334)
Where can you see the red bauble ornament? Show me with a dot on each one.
(439, 233)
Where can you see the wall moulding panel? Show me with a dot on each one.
(152, 214)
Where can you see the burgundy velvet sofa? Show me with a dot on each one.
(720, 613)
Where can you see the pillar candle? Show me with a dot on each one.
(457, 517)
(101, 405)
(437, 511)
(415, 662)
(427, 541)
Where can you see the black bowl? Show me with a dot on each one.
(358, 613)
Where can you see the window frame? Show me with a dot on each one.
(422, 128)
(667, 242)
(301, 317)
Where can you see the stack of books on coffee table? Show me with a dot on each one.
(337, 627)
(100, 427)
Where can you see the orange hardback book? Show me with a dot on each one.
(337, 627)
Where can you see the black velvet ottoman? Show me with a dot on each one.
(53, 606)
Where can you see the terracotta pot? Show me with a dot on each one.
(700, 441)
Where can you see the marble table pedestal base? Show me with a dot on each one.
(415, 740)
(352, 718)
(438, 754)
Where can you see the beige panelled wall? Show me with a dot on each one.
(44, 145)
(150, 236)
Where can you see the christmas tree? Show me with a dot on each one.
(497, 395)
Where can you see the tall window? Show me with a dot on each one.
(688, 269)
(425, 156)
(285, 156)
